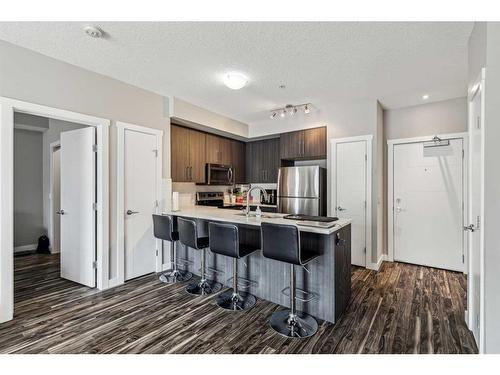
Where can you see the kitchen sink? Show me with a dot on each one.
(263, 215)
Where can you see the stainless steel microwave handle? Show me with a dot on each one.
(230, 174)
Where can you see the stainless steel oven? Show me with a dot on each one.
(219, 174)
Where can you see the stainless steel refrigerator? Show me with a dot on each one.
(302, 190)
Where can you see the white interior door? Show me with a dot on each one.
(78, 195)
(55, 196)
(428, 211)
(140, 184)
(475, 214)
(350, 190)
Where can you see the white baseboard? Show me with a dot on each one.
(376, 266)
(113, 282)
(19, 249)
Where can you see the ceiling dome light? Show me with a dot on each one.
(306, 109)
(425, 96)
(93, 31)
(235, 80)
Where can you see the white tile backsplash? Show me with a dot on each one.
(187, 191)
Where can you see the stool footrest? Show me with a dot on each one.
(243, 283)
(183, 261)
(213, 271)
(301, 294)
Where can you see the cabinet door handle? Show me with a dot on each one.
(191, 173)
(186, 173)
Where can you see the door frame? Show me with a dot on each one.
(52, 147)
(7, 108)
(478, 85)
(369, 187)
(390, 186)
(120, 195)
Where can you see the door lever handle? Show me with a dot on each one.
(60, 212)
(470, 227)
(130, 212)
(341, 208)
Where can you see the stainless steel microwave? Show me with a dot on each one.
(219, 174)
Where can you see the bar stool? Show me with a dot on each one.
(188, 235)
(164, 229)
(282, 242)
(224, 240)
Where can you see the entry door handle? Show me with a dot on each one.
(130, 212)
(341, 209)
(60, 212)
(470, 227)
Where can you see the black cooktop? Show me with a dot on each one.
(300, 217)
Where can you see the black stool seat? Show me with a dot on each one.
(188, 235)
(165, 229)
(224, 240)
(282, 242)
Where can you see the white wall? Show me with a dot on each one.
(207, 120)
(448, 116)
(28, 207)
(29, 76)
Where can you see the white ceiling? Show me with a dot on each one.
(318, 62)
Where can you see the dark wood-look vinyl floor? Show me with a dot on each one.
(401, 309)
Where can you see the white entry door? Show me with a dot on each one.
(475, 240)
(428, 211)
(140, 192)
(350, 158)
(78, 216)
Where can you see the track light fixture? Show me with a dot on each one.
(290, 110)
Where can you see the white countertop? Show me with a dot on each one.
(238, 217)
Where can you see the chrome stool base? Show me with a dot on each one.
(300, 325)
(204, 287)
(175, 276)
(236, 302)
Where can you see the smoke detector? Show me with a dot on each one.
(93, 31)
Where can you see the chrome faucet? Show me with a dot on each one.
(247, 209)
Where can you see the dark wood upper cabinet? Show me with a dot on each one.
(253, 162)
(218, 149)
(238, 161)
(188, 154)
(263, 161)
(315, 143)
(291, 144)
(304, 144)
(179, 143)
(197, 144)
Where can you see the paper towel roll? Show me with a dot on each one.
(175, 201)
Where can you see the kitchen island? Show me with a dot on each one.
(327, 278)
